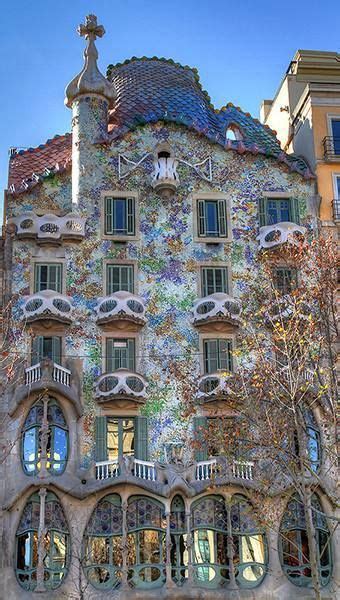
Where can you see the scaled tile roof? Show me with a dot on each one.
(151, 90)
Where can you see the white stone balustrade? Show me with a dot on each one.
(36, 373)
(50, 227)
(243, 470)
(205, 469)
(107, 469)
(121, 306)
(214, 385)
(144, 469)
(216, 307)
(280, 233)
(121, 383)
(47, 304)
(164, 176)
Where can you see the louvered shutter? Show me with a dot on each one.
(130, 216)
(201, 218)
(37, 349)
(141, 438)
(262, 209)
(109, 225)
(200, 428)
(222, 218)
(294, 209)
(101, 439)
(131, 355)
(56, 350)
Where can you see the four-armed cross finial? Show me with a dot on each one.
(91, 30)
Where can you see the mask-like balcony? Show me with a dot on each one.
(217, 308)
(280, 233)
(213, 386)
(164, 177)
(121, 307)
(50, 228)
(48, 306)
(121, 384)
(287, 307)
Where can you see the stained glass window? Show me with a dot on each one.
(178, 536)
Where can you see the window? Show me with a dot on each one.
(233, 133)
(120, 354)
(178, 536)
(337, 186)
(213, 280)
(294, 547)
(120, 216)
(55, 549)
(57, 438)
(217, 355)
(119, 278)
(212, 218)
(103, 544)
(46, 347)
(335, 123)
(146, 526)
(285, 280)
(313, 441)
(120, 437)
(278, 210)
(48, 277)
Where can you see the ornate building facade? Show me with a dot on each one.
(128, 250)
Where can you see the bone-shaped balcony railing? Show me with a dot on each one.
(50, 227)
(122, 383)
(216, 307)
(280, 233)
(165, 175)
(46, 305)
(213, 385)
(121, 306)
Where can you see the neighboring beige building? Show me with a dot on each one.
(305, 112)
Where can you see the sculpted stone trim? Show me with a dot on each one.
(48, 304)
(121, 306)
(280, 233)
(50, 227)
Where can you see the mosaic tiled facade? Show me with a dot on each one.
(155, 106)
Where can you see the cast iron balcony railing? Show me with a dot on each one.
(217, 307)
(281, 233)
(120, 306)
(50, 228)
(336, 209)
(331, 148)
(49, 305)
(122, 383)
(165, 177)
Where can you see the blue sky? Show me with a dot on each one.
(241, 49)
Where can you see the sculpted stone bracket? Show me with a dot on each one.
(50, 227)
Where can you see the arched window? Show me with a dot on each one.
(249, 545)
(313, 441)
(54, 544)
(146, 527)
(294, 548)
(102, 544)
(178, 536)
(209, 526)
(45, 414)
(233, 133)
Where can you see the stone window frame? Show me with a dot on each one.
(212, 336)
(120, 194)
(211, 196)
(41, 332)
(121, 262)
(207, 264)
(122, 335)
(44, 261)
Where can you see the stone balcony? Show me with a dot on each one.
(48, 306)
(164, 177)
(121, 309)
(217, 309)
(121, 385)
(213, 386)
(271, 236)
(50, 228)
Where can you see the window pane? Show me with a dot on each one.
(210, 356)
(211, 217)
(119, 278)
(59, 451)
(30, 450)
(338, 187)
(119, 208)
(48, 277)
(214, 279)
(112, 439)
(128, 437)
(336, 135)
(278, 210)
(120, 354)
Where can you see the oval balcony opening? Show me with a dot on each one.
(217, 308)
(48, 306)
(121, 309)
(123, 384)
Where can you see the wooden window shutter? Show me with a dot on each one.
(130, 213)
(222, 218)
(201, 218)
(200, 428)
(294, 210)
(262, 210)
(141, 438)
(37, 349)
(56, 349)
(131, 362)
(101, 439)
(109, 226)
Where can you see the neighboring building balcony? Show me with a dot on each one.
(336, 209)
(48, 305)
(331, 148)
(217, 308)
(281, 233)
(121, 309)
(213, 386)
(121, 384)
(50, 228)
(164, 176)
